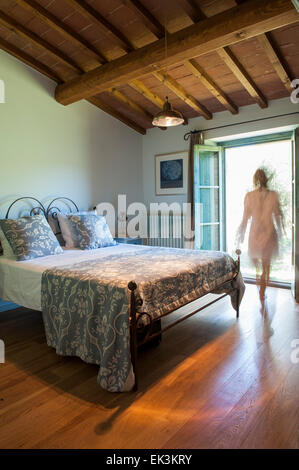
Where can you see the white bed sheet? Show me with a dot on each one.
(20, 281)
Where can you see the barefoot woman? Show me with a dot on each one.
(262, 206)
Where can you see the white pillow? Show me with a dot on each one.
(7, 249)
(65, 227)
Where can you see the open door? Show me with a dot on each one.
(295, 224)
(208, 197)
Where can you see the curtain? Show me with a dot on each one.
(195, 139)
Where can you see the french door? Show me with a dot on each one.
(222, 176)
(208, 197)
(295, 218)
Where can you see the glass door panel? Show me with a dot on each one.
(209, 205)
(209, 236)
(207, 194)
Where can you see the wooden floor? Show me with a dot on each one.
(214, 382)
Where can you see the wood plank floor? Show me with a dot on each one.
(214, 382)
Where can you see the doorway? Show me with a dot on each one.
(240, 165)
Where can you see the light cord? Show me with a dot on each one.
(166, 53)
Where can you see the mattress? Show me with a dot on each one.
(20, 281)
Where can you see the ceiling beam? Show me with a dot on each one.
(28, 35)
(248, 20)
(273, 54)
(139, 86)
(146, 17)
(131, 103)
(93, 15)
(116, 114)
(192, 10)
(239, 71)
(29, 60)
(183, 94)
(61, 27)
(206, 80)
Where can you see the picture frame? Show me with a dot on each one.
(171, 173)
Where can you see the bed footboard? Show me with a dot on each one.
(153, 332)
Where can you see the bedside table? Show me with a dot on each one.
(128, 240)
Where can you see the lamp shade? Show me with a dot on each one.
(168, 117)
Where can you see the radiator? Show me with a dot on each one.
(166, 230)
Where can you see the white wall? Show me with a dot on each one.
(172, 140)
(47, 149)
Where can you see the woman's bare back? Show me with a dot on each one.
(262, 207)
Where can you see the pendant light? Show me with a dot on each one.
(168, 116)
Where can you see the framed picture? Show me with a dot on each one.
(171, 173)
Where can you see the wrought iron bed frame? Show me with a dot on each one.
(50, 211)
(155, 334)
(139, 335)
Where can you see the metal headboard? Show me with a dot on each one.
(50, 213)
(53, 209)
(39, 209)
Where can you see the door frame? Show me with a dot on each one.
(262, 139)
(295, 283)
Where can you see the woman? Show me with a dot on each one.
(262, 206)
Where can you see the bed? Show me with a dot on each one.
(102, 304)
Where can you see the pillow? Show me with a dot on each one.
(6, 248)
(30, 237)
(90, 231)
(68, 235)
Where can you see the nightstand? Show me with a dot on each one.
(128, 240)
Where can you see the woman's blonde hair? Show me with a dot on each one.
(260, 179)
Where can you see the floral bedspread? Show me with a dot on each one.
(85, 305)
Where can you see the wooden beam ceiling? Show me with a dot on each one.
(193, 11)
(242, 75)
(146, 17)
(276, 60)
(191, 8)
(274, 56)
(182, 93)
(128, 101)
(93, 15)
(29, 60)
(236, 67)
(61, 27)
(49, 19)
(139, 86)
(158, 31)
(28, 35)
(244, 21)
(206, 80)
(116, 114)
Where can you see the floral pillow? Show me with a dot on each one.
(90, 231)
(69, 236)
(30, 237)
